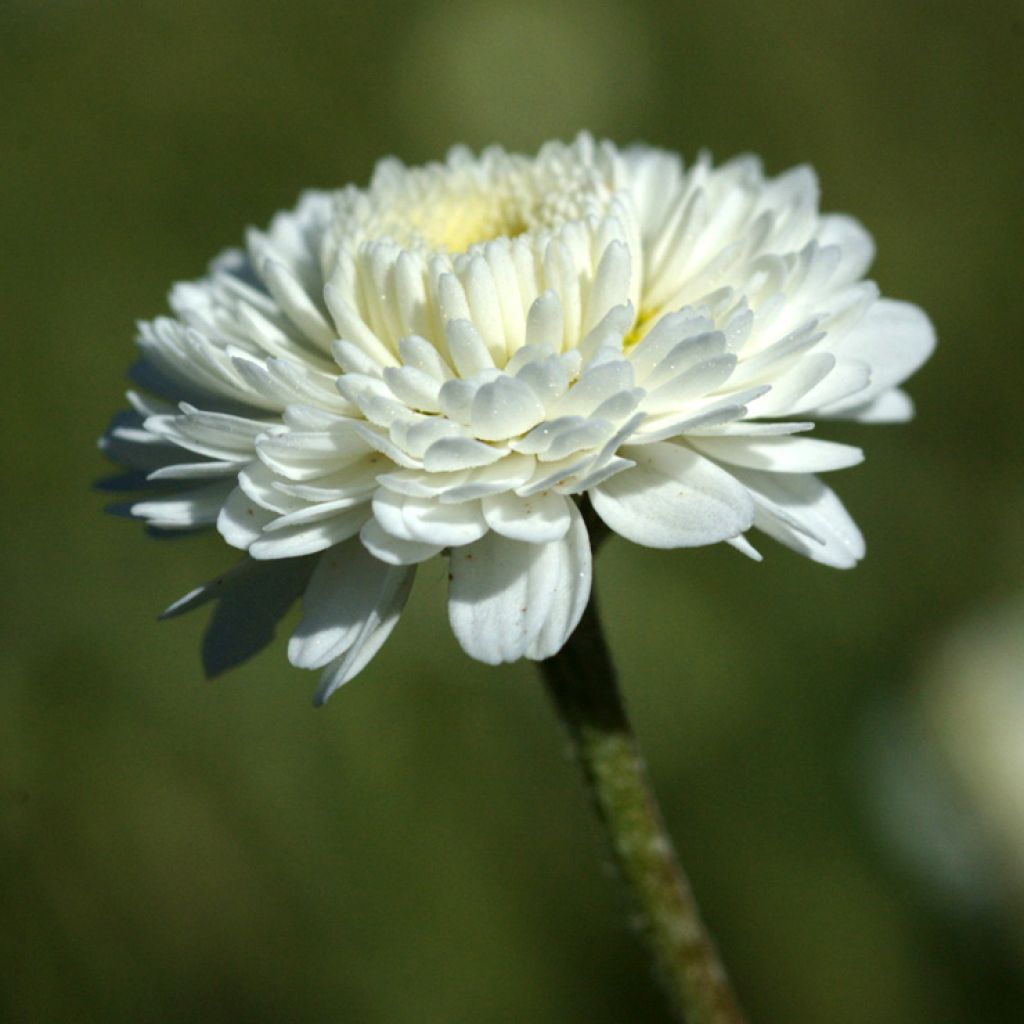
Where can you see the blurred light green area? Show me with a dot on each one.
(420, 850)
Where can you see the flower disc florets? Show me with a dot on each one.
(447, 361)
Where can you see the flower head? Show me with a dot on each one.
(449, 361)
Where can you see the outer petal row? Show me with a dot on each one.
(352, 603)
(509, 599)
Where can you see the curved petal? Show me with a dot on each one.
(349, 588)
(180, 510)
(312, 537)
(798, 510)
(673, 498)
(392, 549)
(780, 454)
(427, 520)
(240, 521)
(370, 640)
(892, 406)
(894, 339)
(538, 519)
(509, 600)
(854, 241)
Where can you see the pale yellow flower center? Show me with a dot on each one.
(452, 223)
(451, 208)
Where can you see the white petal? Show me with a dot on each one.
(749, 428)
(310, 538)
(595, 473)
(668, 333)
(681, 356)
(456, 399)
(415, 387)
(422, 484)
(194, 471)
(894, 339)
(356, 480)
(353, 328)
(292, 298)
(547, 377)
(302, 456)
(596, 385)
(610, 286)
(538, 519)
(856, 244)
(779, 454)
(544, 322)
(453, 453)
(539, 439)
(348, 590)
(428, 521)
(215, 435)
(468, 350)
(446, 525)
(608, 333)
(659, 428)
(315, 513)
(393, 551)
(375, 630)
(894, 406)
(695, 382)
(509, 600)
(385, 446)
(241, 520)
(411, 295)
(555, 474)
(418, 353)
(415, 434)
(504, 408)
(562, 275)
(506, 475)
(352, 359)
(673, 498)
(182, 510)
(485, 307)
(802, 513)
(849, 377)
(786, 394)
(259, 484)
(589, 434)
(744, 547)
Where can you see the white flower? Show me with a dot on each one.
(449, 361)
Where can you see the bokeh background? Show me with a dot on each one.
(840, 755)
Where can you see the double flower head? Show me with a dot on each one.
(453, 360)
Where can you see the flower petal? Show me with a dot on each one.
(785, 454)
(347, 589)
(673, 498)
(241, 520)
(894, 339)
(802, 513)
(393, 550)
(390, 592)
(509, 600)
(538, 519)
(309, 538)
(504, 407)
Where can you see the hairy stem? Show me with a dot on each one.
(581, 680)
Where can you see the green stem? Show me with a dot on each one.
(582, 683)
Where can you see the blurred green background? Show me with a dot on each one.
(421, 850)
